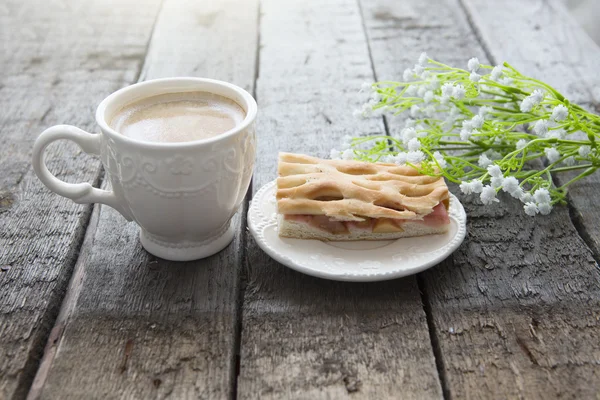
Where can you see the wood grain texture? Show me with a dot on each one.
(305, 337)
(515, 311)
(551, 45)
(141, 327)
(57, 62)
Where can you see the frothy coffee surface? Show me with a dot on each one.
(178, 117)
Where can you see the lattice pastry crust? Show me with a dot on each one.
(355, 190)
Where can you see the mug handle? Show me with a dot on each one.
(80, 193)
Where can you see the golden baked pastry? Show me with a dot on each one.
(354, 200)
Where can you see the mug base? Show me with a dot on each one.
(187, 251)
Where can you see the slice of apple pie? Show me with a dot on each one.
(354, 200)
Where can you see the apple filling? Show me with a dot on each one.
(438, 217)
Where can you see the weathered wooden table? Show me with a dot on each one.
(85, 312)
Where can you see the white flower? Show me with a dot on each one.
(400, 158)
(465, 187)
(444, 100)
(335, 154)
(537, 96)
(408, 134)
(429, 111)
(421, 91)
(434, 83)
(414, 111)
(440, 159)
(477, 121)
(494, 171)
(428, 97)
(447, 89)
(541, 127)
(526, 104)
(348, 154)
(458, 92)
(541, 196)
(584, 151)
(387, 159)
(496, 72)
(407, 75)
(484, 161)
(414, 144)
(557, 133)
(526, 197)
(476, 186)
(465, 134)
(510, 184)
(488, 195)
(475, 77)
(375, 97)
(552, 154)
(507, 81)
(473, 64)
(415, 157)
(559, 113)
(418, 69)
(544, 208)
(569, 161)
(411, 91)
(530, 209)
(497, 181)
(423, 59)
(485, 110)
(521, 144)
(366, 86)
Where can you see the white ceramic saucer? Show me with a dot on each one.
(362, 261)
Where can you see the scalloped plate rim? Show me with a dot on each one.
(277, 250)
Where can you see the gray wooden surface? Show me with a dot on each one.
(85, 312)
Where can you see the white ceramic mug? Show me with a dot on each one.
(182, 195)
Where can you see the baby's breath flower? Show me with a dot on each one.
(507, 81)
(474, 77)
(557, 133)
(423, 59)
(465, 134)
(477, 121)
(415, 157)
(473, 64)
(407, 75)
(458, 92)
(412, 90)
(537, 96)
(408, 134)
(488, 195)
(552, 154)
(475, 186)
(485, 110)
(559, 113)
(541, 127)
(544, 208)
(348, 154)
(414, 144)
(434, 83)
(526, 197)
(494, 171)
(335, 154)
(510, 184)
(530, 209)
(484, 161)
(496, 72)
(521, 143)
(439, 157)
(421, 91)
(428, 97)
(526, 105)
(497, 181)
(570, 161)
(584, 151)
(447, 89)
(541, 196)
(400, 158)
(418, 69)
(415, 111)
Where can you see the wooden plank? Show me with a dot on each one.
(58, 62)
(550, 44)
(514, 313)
(305, 337)
(140, 327)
